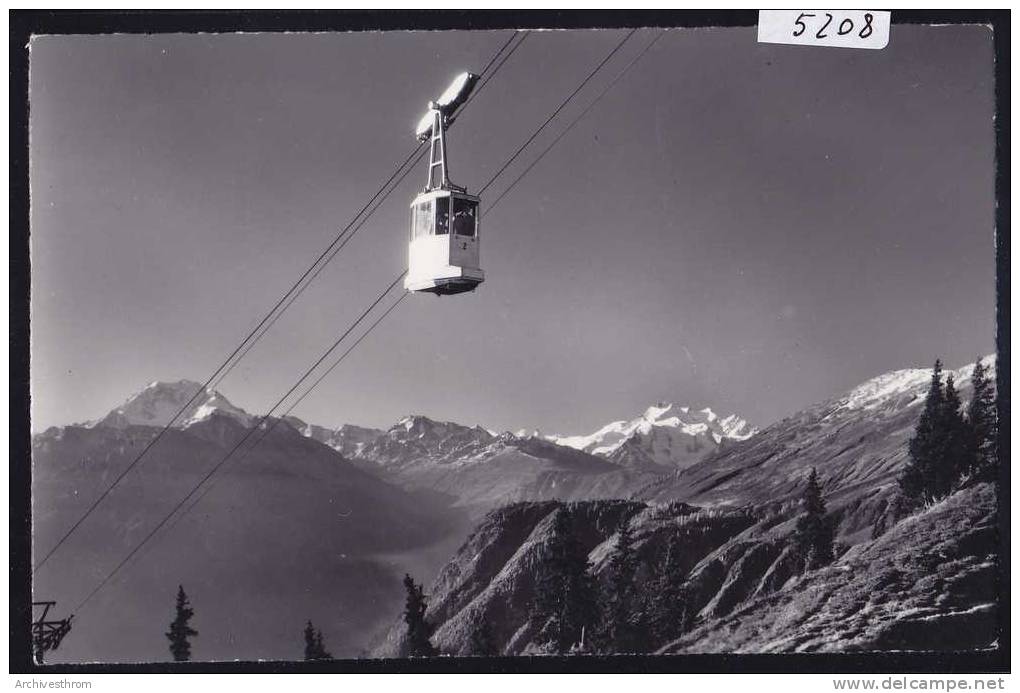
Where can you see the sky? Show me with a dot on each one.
(749, 227)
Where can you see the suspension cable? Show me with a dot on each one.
(548, 120)
(337, 362)
(273, 315)
(421, 153)
(289, 409)
(575, 121)
(262, 422)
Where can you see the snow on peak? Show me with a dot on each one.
(422, 428)
(656, 410)
(875, 392)
(665, 431)
(735, 427)
(160, 402)
(891, 387)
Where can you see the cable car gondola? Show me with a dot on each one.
(443, 239)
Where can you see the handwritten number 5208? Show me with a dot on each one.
(845, 26)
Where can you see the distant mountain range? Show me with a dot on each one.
(321, 523)
(665, 437)
(474, 467)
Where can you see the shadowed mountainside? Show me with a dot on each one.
(474, 469)
(287, 529)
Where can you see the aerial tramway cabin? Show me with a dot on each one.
(443, 249)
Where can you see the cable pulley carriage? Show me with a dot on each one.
(47, 634)
(443, 242)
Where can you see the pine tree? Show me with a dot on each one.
(419, 631)
(309, 642)
(314, 648)
(813, 535)
(565, 603)
(982, 422)
(945, 444)
(483, 644)
(956, 434)
(926, 448)
(620, 623)
(180, 630)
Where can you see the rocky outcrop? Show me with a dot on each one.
(491, 579)
(930, 582)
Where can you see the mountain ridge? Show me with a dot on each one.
(665, 436)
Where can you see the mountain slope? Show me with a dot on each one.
(492, 576)
(926, 581)
(857, 441)
(930, 582)
(475, 469)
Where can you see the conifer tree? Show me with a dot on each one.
(949, 444)
(419, 631)
(314, 648)
(180, 630)
(483, 643)
(309, 641)
(565, 602)
(982, 421)
(620, 622)
(956, 438)
(813, 535)
(927, 447)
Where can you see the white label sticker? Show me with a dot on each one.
(839, 28)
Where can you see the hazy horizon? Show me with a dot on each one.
(694, 406)
(753, 228)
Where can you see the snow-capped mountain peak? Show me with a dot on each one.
(665, 434)
(159, 402)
